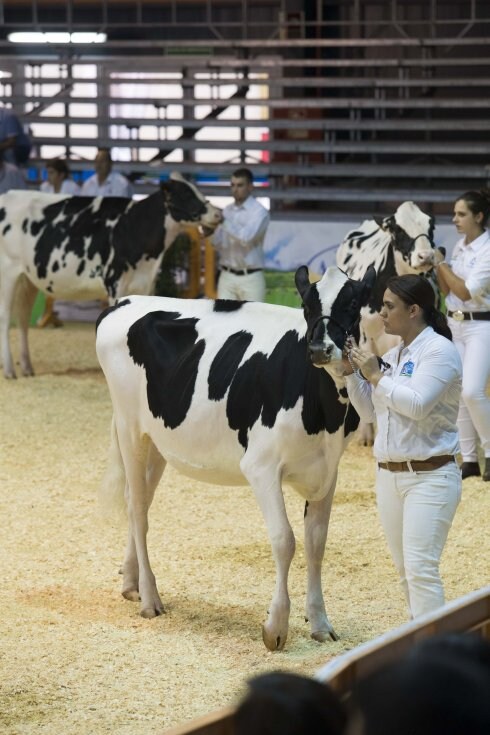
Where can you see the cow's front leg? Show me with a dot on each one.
(317, 516)
(269, 496)
(130, 571)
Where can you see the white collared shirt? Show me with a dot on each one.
(472, 263)
(240, 239)
(416, 402)
(116, 185)
(68, 186)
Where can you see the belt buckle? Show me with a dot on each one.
(458, 315)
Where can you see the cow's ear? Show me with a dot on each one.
(388, 223)
(301, 279)
(368, 284)
(176, 176)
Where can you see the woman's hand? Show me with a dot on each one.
(366, 362)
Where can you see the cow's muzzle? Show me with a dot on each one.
(320, 354)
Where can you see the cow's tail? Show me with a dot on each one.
(112, 503)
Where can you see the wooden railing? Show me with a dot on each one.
(468, 613)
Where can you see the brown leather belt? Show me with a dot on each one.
(238, 272)
(417, 465)
(461, 316)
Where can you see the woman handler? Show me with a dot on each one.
(415, 404)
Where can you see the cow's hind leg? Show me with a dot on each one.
(143, 471)
(317, 516)
(8, 280)
(25, 295)
(268, 491)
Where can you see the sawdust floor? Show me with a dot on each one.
(75, 657)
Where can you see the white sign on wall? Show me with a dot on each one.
(289, 244)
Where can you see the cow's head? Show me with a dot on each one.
(412, 233)
(187, 206)
(332, 309)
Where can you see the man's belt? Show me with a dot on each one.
(461, 316)
(236, 272)
(417, 465)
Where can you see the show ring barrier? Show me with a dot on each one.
(470, 613)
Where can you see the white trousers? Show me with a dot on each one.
(416, 511)
(242, 288)
(472, 340)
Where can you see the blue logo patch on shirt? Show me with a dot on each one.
(407, 369)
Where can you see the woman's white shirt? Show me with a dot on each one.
(415, 404)
(472, 263)
(68, 186)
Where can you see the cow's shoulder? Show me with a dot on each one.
(167, 346)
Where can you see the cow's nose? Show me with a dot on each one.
(424, 255)
(320, 353)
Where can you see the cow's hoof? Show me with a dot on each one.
(132, 595)
(322, 636)
(152, 612)
(273, 642)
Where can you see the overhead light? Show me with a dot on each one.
(56, 37)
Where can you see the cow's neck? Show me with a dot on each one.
(384, 274)
(336, 372)
(172, 229)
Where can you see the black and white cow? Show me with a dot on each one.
(398, 244)
(82, 248)
(233, 393)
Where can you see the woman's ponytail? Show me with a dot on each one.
(438, 321)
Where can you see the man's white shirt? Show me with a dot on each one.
(240, 239)
(116, 185)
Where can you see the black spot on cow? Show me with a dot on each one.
(109, 310)
(55, 267)
(25, 225)
(227, 305)
(226, 363)
(3, 213)
(6, 229)
(81, 267)
(375, 301)
(245, 398)
(168, 350)
(264, 385)
(36, 228)
(322, 410)
(356, 233)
